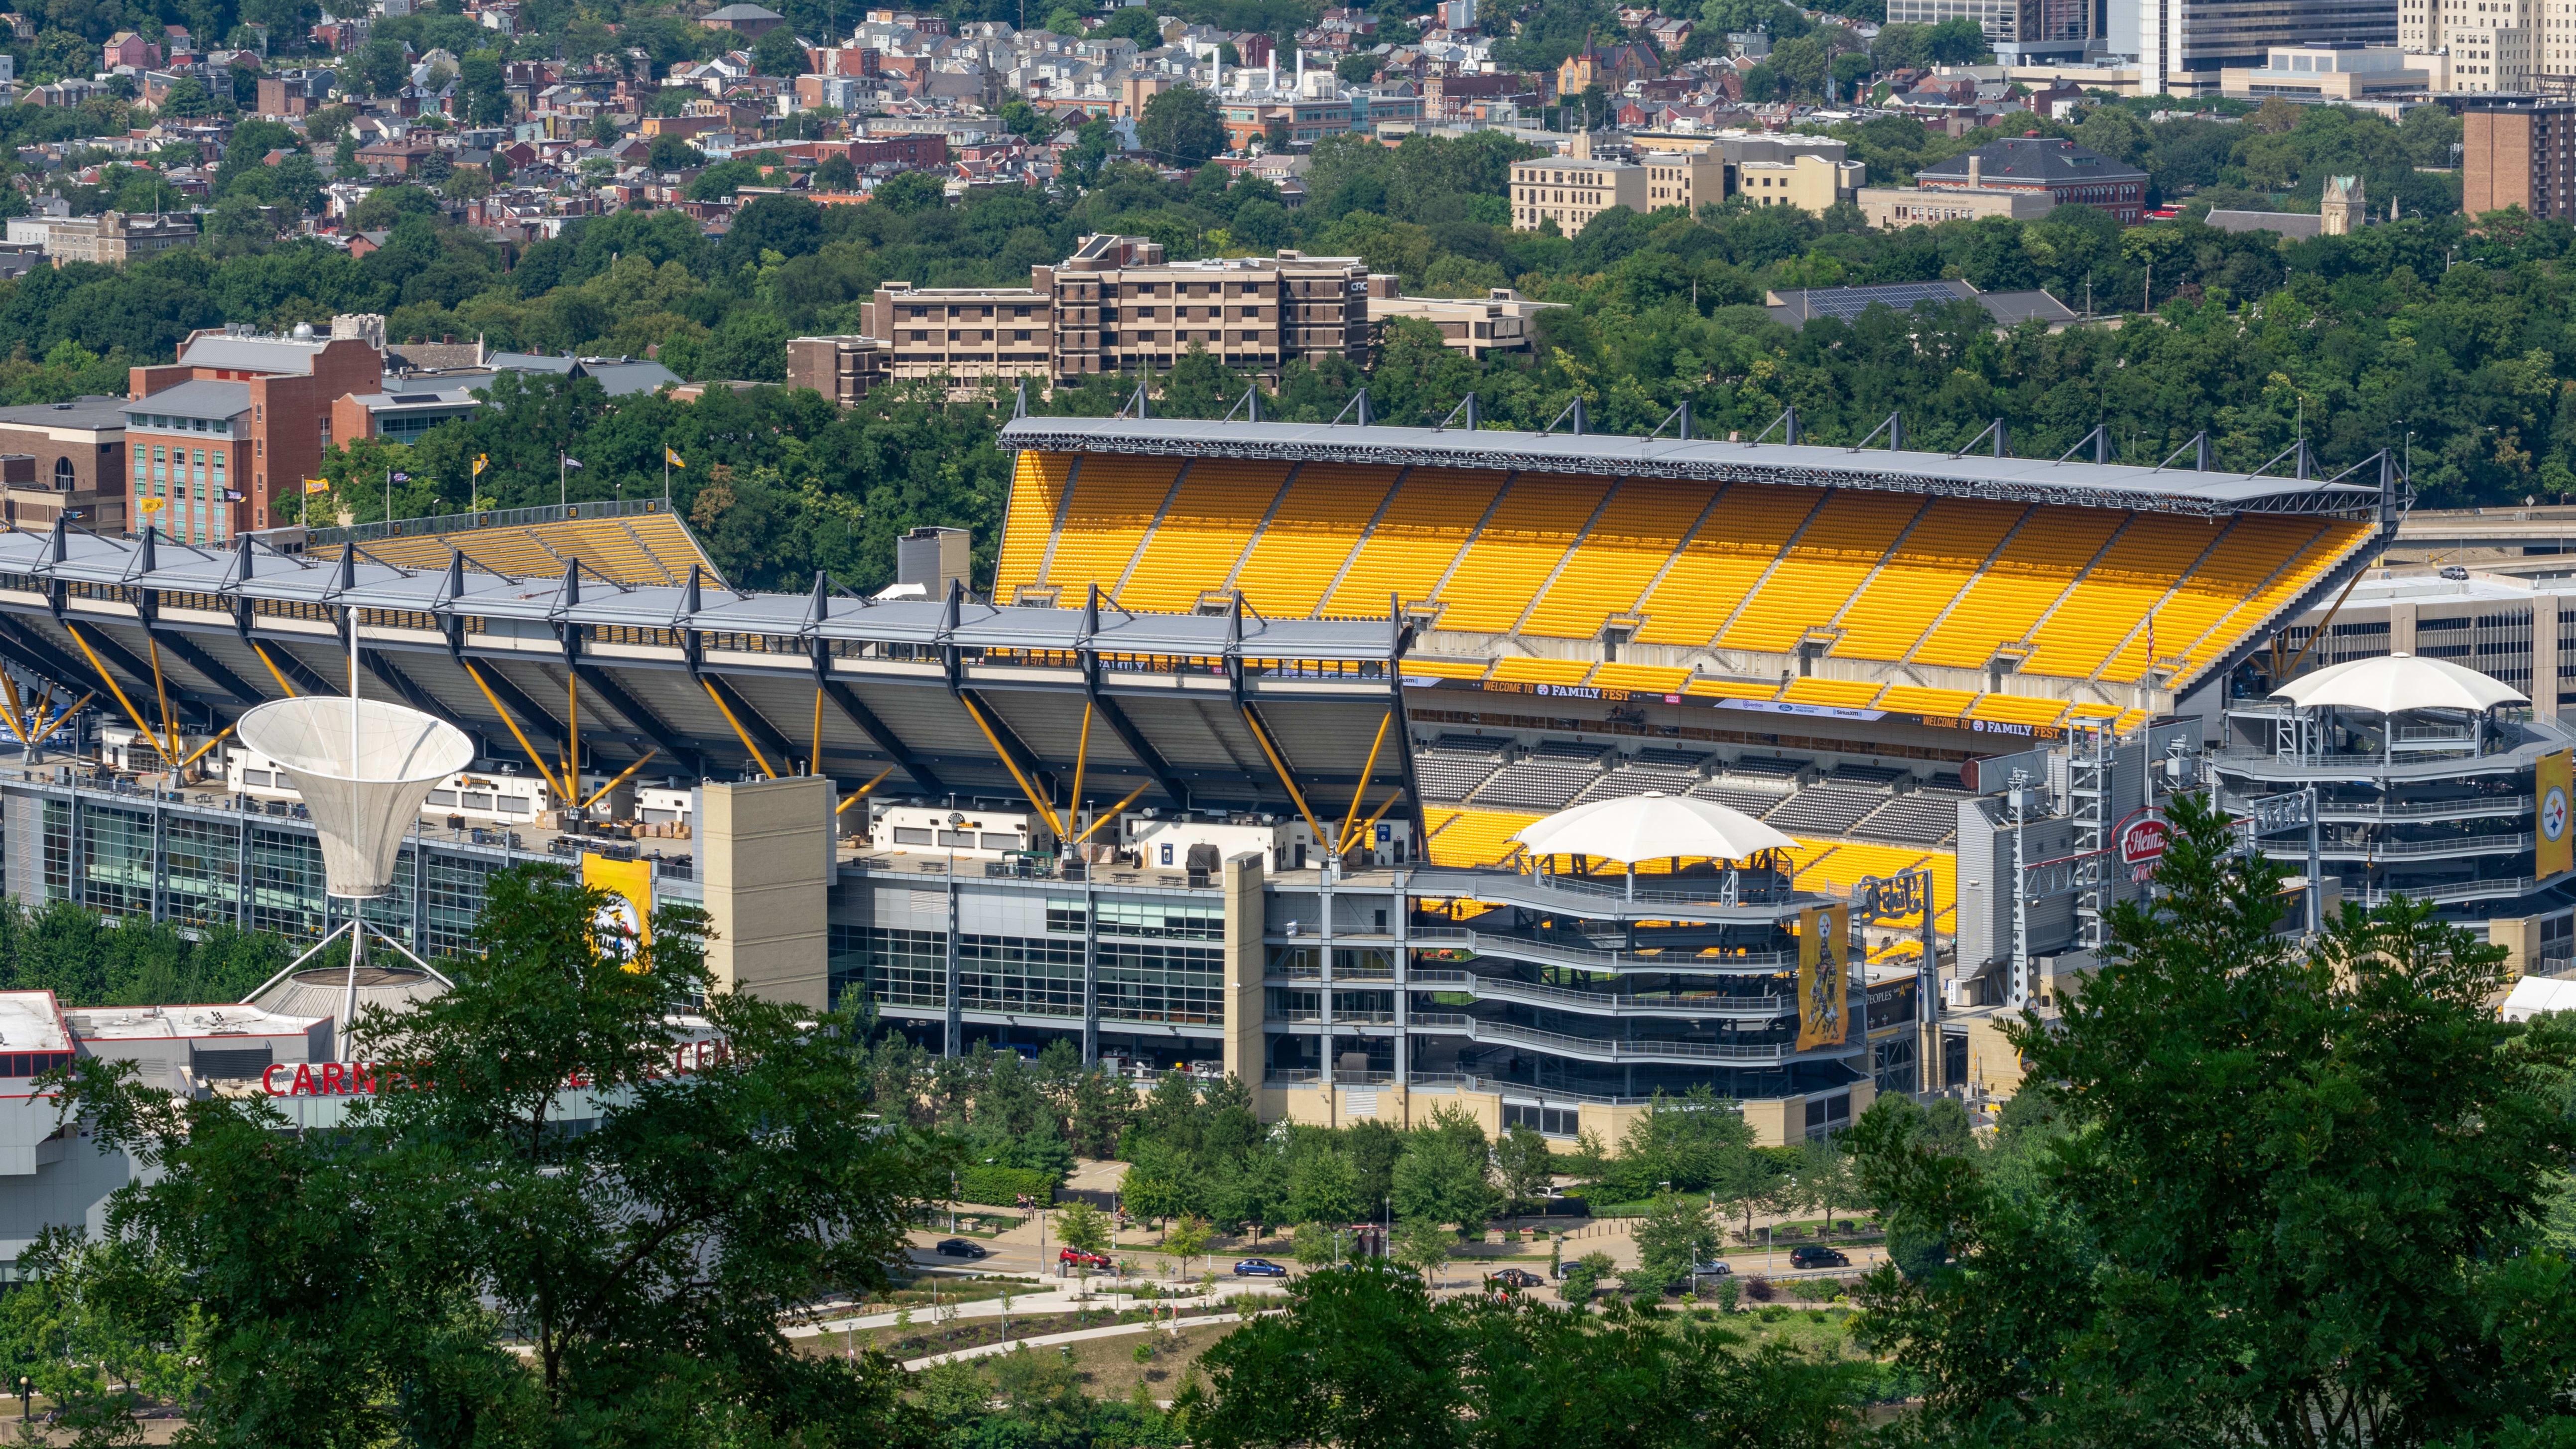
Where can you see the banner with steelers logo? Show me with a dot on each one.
(625, 922)
(2551, 784)
(1824, 934)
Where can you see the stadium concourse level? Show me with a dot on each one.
(1479, 791)
(2071, 573)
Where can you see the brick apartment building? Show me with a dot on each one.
(239, 420)
(2514, 153)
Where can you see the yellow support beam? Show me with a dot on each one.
(739, 732)
(280, 675)
(534, 757)
(861, 793)
(1040, 801)
(1111, 814)
(56, 722)
(572, 738)
(622, 777)
(1359, 795)
(1081, 758)
(814, 761)
(199, 752)
(113, 687)
(19, 719)
(161, 687)
(1262, 734)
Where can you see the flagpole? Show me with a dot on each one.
(666, 478)
(389, 495)
(563, 479)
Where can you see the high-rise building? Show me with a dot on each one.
(2182, 45)
(2020, 30)
(2495, 45)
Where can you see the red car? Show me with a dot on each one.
(1076, 1258)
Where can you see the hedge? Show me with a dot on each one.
(1002, 1186)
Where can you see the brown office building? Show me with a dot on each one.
(78, 464)
(844, 368)
(963, 333)
(2514, 153)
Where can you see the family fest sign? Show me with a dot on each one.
(366, 1079)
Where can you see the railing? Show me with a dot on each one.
(1549, 1095)
(1661, 1003)
(2463, 891)
(1479, 1029)
(2286, 847)
(365, 533)
(1731, 889)
(1549, 953)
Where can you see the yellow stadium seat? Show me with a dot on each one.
(1446, 668)
(1037, 488)
(1722, 561)
(1727, 689)
(1835, 866)
(1114, 501)
(1539, 518)
(1643, 678)
(1420, 533)
(1938, 703)
(1473, 837)
(1310, 534)
(2026, 577)
(1843, 693)
(1543, 671)
(1211, 519)
(2117, 594)
(2328, 548)
(1939, 557)
(2017, 709)
(1638, 530)
(1850, 534)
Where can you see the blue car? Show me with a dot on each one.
(1259, 1268)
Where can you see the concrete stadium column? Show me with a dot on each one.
(2544, 655)
(765, 859)
(1245, 1005)
(2401, 634)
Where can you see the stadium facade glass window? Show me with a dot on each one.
(116, 862)
(1015, 974)
(201, 882)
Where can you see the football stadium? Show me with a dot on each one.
(1242, 760)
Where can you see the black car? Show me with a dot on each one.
(1514, 1278)
(960, 1248)
(1816, 1255)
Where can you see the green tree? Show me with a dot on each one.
(1525, 1164)
(1314, 1245)
(1323, 1186)
(908, 192)
(363, 1282)
(1678, 1232)
(1188, 1237)
(2276, 1146)
(1826, 1179)
(1577, 1284)
(779, 53)
(1182, 127)
(1424, 1246)
(1083, 1227)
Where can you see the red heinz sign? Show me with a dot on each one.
(2143, 838)
(366, 1079)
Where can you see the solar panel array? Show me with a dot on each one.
(1849, 302)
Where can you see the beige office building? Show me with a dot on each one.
(1571, 190)
(1500, 321)
(964, 333)
(1891, 207)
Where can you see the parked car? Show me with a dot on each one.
(1817, 1255)
(1711, 1270)
(1076, 1258)
(1259, 1268)
(1514, 1278)
(960, 1248)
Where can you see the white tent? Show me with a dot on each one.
(2533, 995)
(1652, 826)
(2395, 682)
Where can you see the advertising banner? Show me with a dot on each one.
(1824, 938)
(625, 922)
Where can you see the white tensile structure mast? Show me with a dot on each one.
(363, 768)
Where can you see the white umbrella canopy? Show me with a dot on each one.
(2395, 682)
(1652, 826)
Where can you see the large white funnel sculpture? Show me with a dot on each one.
(363, 767)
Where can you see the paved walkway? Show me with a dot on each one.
(1034, 1302)
(987, 1350)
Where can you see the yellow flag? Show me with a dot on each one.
(481, 462)
(2551, 787)
(672, 458)
(317, 485)
(1824, 937)
(149, 505)
(625, 923)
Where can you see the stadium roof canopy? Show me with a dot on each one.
(1952, 475)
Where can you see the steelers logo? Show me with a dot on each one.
(2553, 816)
(616, 928)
